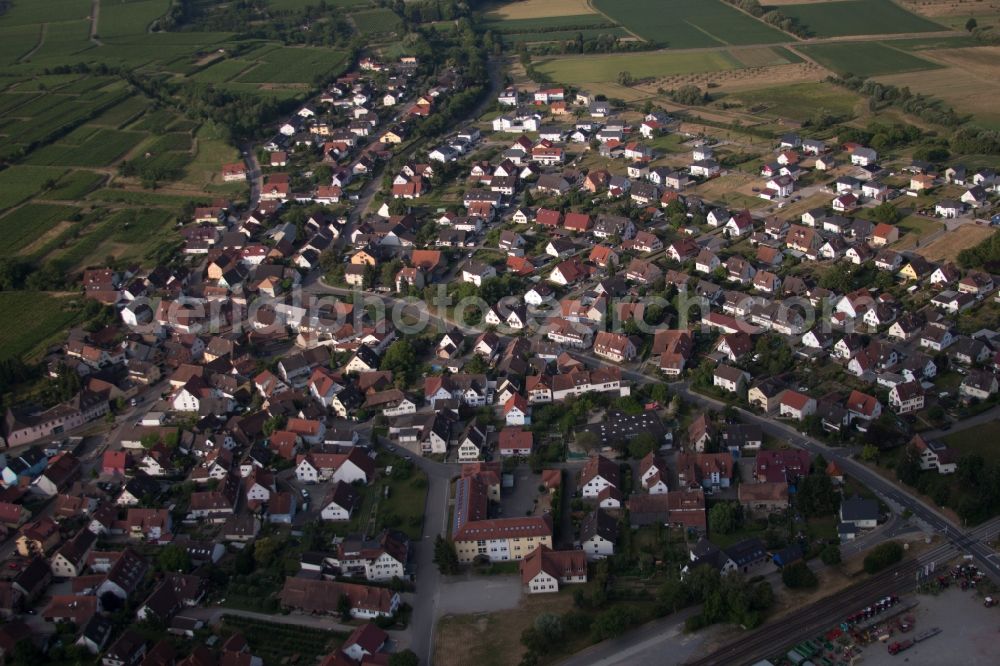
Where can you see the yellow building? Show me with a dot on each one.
(502, 539)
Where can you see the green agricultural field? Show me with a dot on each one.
(63, 39)
(10, 102)
(24, 225)
(127, 234)
(75, 185)
(17, 41)
(101, 148)
(40, 11)
(858, 17)
(595, 69)
(118, 116)
(799, 101)
(143, 198)
(40, 318)
(562, 35)
(295, 65)
(865, 58)
(20, 183)
(221, 71)
(130, 18)
(376, 22)
(685, 24)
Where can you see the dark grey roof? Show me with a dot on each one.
(857, 508)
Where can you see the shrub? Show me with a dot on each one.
(882, 556)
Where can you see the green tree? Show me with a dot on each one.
(642, 444)
(869, 453)
(971, 24)
(344, 607)
(174, 558)
(587, 440)
(798, 576)
(544, 634)
(445, 556)
(401, 359)
(265, 551)
(724, 518)
(887, 213)
(882, 556)
(830, 554)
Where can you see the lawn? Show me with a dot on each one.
(40, 318)
(19, 183)
(591, 69)
(212, 153)
(690, 23)
(22, 226)
(404, 508)
(914, 227)
(799, 101)
(376, 22)
(858, 17)
(865, 58)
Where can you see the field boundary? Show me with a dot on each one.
(590, 3)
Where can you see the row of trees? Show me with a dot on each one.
(925, 107)
(772, 17)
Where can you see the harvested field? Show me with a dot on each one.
(941, 8)
(532, 9)
(970, 82)
(947, 247)
(487, 639)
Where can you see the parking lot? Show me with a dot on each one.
(520, 500)
(969, 632)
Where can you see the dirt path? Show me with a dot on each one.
(41, 40)
(95, 17)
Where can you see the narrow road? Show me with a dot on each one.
(988, 416)
(899, 498)
(254, 173)
(41, 40)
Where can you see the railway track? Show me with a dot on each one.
(822, 615)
